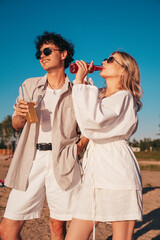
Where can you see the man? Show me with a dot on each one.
(45, 161)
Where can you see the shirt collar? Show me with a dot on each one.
(43, 80)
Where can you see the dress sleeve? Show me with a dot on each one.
(101, 119)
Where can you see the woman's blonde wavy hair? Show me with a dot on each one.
(130, 78)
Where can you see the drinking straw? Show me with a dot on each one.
(26, 93)
(22, 91)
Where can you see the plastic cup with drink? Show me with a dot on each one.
(31, 115)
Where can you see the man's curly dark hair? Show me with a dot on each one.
(59, 41)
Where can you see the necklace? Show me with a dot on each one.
(54, 89)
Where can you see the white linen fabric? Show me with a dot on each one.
(105, 204)
(25, 205)
(108, 160)
(46, 115)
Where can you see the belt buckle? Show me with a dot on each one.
(44, 146)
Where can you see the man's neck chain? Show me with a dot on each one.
(57, 88)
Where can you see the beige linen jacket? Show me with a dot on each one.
(64, 138)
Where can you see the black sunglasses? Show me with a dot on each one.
(46, 52)
(111, 60)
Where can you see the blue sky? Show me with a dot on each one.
(96, 28)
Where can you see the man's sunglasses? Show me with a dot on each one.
(111, 60)
(46, 52)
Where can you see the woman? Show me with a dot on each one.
(112, 188)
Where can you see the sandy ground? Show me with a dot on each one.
(146, 230)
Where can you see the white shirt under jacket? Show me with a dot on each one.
(108, 123)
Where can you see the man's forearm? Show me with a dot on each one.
(82, 144)
(18, 122)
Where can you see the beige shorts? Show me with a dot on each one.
(42, 184)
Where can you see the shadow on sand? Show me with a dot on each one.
(151, 221)
(149, 189)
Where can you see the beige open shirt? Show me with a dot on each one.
(64, 138)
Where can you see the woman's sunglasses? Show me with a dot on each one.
(111, 60)
(46, 52)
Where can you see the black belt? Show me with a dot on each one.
(44, 146)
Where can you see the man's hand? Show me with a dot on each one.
(82, 144)
(19, 119)
(21, 109)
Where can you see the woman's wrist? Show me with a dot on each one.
(79, 81)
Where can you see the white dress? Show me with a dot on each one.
(112, 187)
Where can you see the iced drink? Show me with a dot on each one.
(31, 115)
